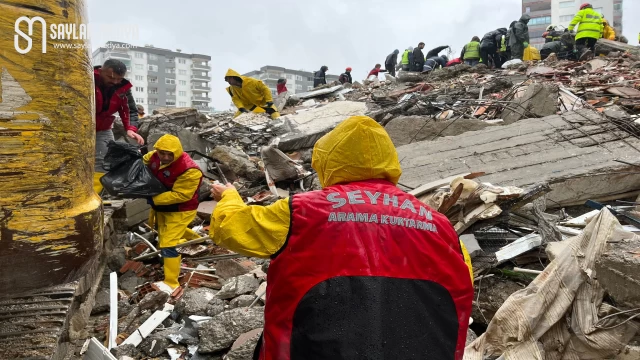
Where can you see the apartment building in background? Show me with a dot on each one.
(161, 77)
(298, 81)
(561, 12)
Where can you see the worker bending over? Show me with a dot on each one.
(359, 269)
(250, 94)
(173, 210)
(590, 29)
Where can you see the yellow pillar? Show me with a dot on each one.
(50, 218)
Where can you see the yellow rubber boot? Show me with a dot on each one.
(172, 271)
(97, 186)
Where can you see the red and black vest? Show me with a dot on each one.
(168, 177)
(367, 272)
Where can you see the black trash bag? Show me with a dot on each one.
(128, 176)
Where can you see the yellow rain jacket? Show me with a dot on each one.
(531, 53)
(172, 227)
(591, 25)
(343, 155)
(253, 95)
(608, 32)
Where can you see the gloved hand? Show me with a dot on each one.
(150, 201)
(269, 104)
(269, 110)
(243, 110)
(526, 44)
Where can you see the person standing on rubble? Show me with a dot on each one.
(250, 94)
(320, 77)
(354, 258)
(518, 35)
(407, 59)
(112, 94)
(376, 70)
(418, 58)
(173, 210)
(471, 52)
(281, 86)
(590, 29)
(489, 47)
(345, 77)
(391, 61)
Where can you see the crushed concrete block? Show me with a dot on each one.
(220, 332)
(239, 285)
(194, 301)
(630, 352)
(404, 130)
(618, 271)
(309, 126)
(227, 269)
(129, 281)
(189, 139)
(262, 292)
(244, 346)
(101, 302)
(538, 99)
(237, 161)
(279, 166)
(215, 307)
(471, 244)
(156, 344)
(241, 301)
(117, 258)
(493, 293)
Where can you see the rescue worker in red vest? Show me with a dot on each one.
(360, 267)
(590, 29)
(173, 210)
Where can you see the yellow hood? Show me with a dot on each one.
(171, 143)
(232, 72)
(357, 149)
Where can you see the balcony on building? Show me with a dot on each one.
(200, 65)
(200, 77)
(198, 87)
(118, 54)
(204, 98)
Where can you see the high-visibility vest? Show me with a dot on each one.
(405, 57)
(503, 44)
(591, 25)
(472, 50)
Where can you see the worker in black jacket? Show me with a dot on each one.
(489, 47)
(435, 51)
(320, 77)
(418, 58)
(391, 61)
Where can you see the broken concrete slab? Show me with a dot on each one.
(309, 126)
(237, 161)
(215, 307)
(404, 130)
(618, 270)
(220, 332)
(244, 346)
(240, 285)
(605, 46)
(241, 301)
(573, 152)
(314, 93)
(229, 268)
(189, 139)
(471, 244)
(538, 100)
(194, 301)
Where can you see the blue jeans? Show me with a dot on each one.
(472, 62)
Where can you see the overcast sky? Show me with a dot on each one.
(247, 34)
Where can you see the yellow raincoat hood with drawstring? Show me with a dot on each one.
(253, 95)
(357, 149)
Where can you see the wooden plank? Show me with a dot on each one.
(435, 185)
(148, 326)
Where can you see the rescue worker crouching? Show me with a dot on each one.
(173, 210)
(358, 256)
(250, 94)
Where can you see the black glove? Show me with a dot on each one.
(243, 110)
(269, 104)
(269, 110)
(150, 201)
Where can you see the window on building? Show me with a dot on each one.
(182, 61)
(170, 81)
(182, 93)
(289, 77)
(183, 103)
(170, 60)
(540, 20)
(182, 82)
(153, 102)
(153, 79)
(139, 67)
(153, 57)
(153, 90)
(527, 10)
(139, 78)
(182, 72)
(598, 10)
(139, 101)
(309, 79)
(567, 4)
(171, 93)
(298, 86)
(299, 78)
(565, 18)
(170, 70)
(309, 88)
(171, 102)
(139, 89)
(139, 55)
(152, 67)
(617, 7)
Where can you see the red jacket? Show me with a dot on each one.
(375, 72)
(117, 103)
(281, 88)
(168, 177)
(366, 269)
(455, 61)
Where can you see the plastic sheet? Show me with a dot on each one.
(128, 176)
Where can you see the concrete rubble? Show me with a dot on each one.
(510, 156)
